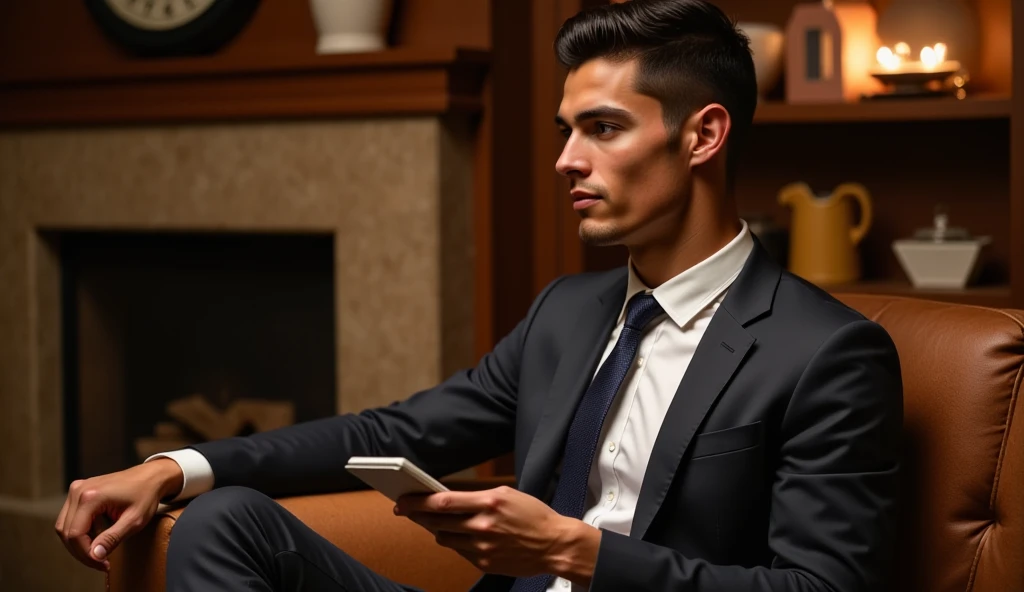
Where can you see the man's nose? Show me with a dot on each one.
(572, 162)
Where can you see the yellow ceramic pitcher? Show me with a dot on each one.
(823, 239)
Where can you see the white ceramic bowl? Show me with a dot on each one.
(766, 43)
(944, 265)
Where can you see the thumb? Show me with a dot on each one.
(104, 544)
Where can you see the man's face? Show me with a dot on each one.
(626, 182)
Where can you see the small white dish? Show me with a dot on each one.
(940, 264)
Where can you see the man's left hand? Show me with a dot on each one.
(505, 531)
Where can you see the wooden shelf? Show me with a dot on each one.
(992, 296)
(977, 107)
(399, 81)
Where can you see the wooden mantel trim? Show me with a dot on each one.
(394, 82)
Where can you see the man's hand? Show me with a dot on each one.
(507, 532)
(129, 498)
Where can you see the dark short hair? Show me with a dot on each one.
(690, 54)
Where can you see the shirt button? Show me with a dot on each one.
(611, 447)
(611, 495)
(640, 362)
(566, 583)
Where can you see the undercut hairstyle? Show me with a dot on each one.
(689, 54)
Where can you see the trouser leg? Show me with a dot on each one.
(239, 539)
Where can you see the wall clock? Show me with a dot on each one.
(172, 27)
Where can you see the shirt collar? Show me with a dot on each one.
(691, 291)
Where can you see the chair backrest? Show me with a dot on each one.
(963, 494)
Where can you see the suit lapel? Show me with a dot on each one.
(597, 317)
(721, 351)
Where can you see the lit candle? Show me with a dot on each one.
(887, 59)
(929, 58)
(932, 58)
(902, 50)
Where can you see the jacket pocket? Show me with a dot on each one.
(727, 440)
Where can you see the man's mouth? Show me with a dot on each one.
(582, 200)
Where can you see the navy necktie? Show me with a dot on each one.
(581, 443)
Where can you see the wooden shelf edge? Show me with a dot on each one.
(278, 62)
(388, 83)
(995, 106)
(998, 296)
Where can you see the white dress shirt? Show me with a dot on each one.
(689, 299)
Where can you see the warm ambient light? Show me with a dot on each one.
(933, 57)
(929, 58)
(887, 59)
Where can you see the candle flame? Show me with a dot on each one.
(929, 57)
(887, 59)
(897, 59)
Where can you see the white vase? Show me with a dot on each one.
(351, 26)
(766, 44)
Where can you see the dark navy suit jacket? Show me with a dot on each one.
(776, 467)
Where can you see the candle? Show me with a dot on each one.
(932, 58)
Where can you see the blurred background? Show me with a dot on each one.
(219, 217)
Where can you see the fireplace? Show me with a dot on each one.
(176, 338)
(223, 277)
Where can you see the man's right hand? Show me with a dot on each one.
(128, 498)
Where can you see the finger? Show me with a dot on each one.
(74, 547)
(437, 522)
(72, 503)
(450, 502)
(411, 502)
(79, 526)
(79, 547)
(104, 543)
(59, 527)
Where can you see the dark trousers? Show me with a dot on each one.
(239, 539)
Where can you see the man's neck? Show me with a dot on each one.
(697, 240)
(709, 224)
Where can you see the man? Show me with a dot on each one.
(700, 420)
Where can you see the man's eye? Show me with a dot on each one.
(603, 128)
(566, 132)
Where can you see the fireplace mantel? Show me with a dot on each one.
(394, 82)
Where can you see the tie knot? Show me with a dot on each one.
(642, 309)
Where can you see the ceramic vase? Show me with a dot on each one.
(351, 26)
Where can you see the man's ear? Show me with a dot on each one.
(711, 125)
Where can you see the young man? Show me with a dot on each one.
(700, 420)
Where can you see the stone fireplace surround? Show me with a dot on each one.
(393, 191)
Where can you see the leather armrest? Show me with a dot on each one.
(361, 523)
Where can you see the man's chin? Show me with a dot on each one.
(598, 235)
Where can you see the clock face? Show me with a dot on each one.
(159, 15)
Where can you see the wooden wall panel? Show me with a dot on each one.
(37, 44)
(463, 23)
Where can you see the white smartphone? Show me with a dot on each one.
(394, 476)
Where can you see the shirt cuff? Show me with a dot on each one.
(197, 472)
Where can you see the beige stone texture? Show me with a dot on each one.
(394, 193)
(28, 526)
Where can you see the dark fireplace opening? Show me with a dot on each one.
(175, 338)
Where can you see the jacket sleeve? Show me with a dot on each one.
(833, 507)
(466, 420)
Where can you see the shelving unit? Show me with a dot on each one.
(983, 106)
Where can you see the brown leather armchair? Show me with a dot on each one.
(963, 512)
